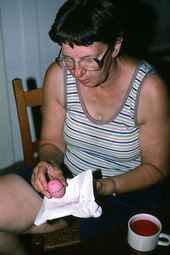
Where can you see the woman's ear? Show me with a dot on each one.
(117, 47)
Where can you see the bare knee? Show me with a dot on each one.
(19, 205)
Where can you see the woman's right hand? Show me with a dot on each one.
(44, 172)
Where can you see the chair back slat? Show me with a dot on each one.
(34, 97)
(25, 99)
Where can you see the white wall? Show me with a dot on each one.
(6, 146)
(27, 51)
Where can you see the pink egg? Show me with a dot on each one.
(56, 188)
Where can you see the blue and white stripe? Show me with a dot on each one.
(112, 146)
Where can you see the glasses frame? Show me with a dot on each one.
(99, 62)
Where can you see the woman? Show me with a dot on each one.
(102, 110)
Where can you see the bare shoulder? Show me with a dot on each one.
(54, 83)
(54, 76)
(154, 98)
(154, 82)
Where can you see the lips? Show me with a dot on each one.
(84, 81)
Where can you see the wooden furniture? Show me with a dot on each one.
(25, 99)
(34, 98)
(115, 241)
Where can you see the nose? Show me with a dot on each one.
(78, 71)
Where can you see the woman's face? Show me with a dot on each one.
(96, 50)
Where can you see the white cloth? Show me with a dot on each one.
(78, 201)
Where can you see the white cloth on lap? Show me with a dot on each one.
(78, 201)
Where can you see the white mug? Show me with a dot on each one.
(144, 233)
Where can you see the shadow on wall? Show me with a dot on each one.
(140, 19)
(140, 27)
(36, 111)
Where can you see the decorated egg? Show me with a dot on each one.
(56, 188)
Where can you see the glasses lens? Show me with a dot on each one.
(89, 64)
(65, 63)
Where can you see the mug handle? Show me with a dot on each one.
(167, 237)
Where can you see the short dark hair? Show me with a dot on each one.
(83, 22)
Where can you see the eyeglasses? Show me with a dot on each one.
(89, 64)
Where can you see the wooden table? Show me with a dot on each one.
(114, 242)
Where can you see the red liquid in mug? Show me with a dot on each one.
(144, 227)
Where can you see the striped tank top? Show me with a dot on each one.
(111, 146)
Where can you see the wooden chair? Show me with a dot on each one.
(40, 242)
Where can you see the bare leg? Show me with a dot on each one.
(11, 245)
(18, 209)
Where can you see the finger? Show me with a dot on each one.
(41, 178)
(39, 181)
(56, 173)
(38, 187)
(51, 173)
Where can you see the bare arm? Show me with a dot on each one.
(52, 145)
(153, 117)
